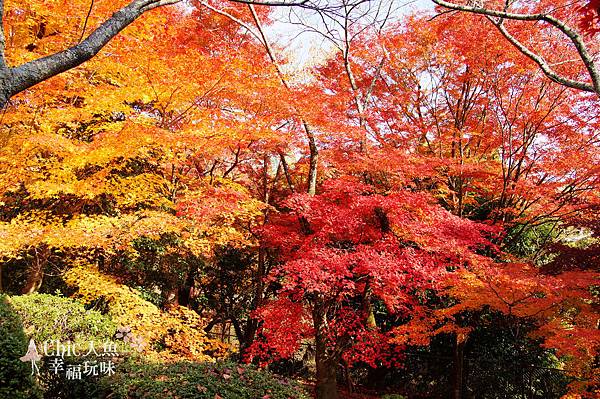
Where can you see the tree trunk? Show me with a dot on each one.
(459, 359)
(326, 377)
(348, 376)
(259, 292)
(311, 188)
(326, 360)
(367, 307)
(186, 291)
(172, 297)
(35, 275)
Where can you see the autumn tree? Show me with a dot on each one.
(349, 246)
(81, 165)
(494, 131)
(473, 124)
(109, 154)
(129, 166)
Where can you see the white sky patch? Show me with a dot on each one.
(303, 49)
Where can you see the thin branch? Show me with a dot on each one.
(87, 17)
(234, 19)
(282, 3)
(542, 63)
(573, 36)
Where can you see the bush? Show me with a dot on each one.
(15, 376)
(174, 334)
(50, 317)
(138, 379)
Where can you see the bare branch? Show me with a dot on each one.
(87, 17)
(575, 38)
(234, 19)
(544, 66)
(282, 3)
(314, 151)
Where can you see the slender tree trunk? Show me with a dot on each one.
(367, 308)
(459, 363)
(259, 292)
(313, 160)
(35, 276)
(261, 267)
(312, 143)
(286, 171)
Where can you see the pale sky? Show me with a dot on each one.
(302, 47)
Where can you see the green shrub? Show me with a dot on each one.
(393, 396)
(47, 317)
(57, 386)
(15, 376)
(138, 379)
(50, 317)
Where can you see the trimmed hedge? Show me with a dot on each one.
(50, 317)
(46, 317)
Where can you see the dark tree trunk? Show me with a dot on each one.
(239, 334)
(326, 358)
(259, 293)
(186, 291)
(459, 363)
(326, 377)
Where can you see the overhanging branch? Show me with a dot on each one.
(497, 17)
(22, 77)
